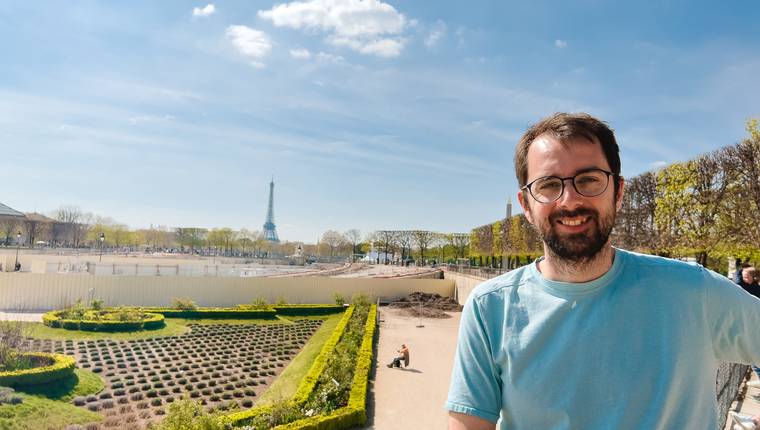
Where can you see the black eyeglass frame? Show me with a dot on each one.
(528, 187)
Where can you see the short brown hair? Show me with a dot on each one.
(565, 126)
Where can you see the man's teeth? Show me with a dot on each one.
(572, 221)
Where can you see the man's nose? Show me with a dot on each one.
(570, 197)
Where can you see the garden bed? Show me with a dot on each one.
(110, 320)
(38, 368)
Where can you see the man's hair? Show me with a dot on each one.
(565, 126)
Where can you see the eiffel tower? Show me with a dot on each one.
(270, 233)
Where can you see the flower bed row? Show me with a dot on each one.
(149, 321)
(308, 310)
(56, 366)
(307, 383)
(355, 413)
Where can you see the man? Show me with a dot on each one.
(590, 336)
(403, 355)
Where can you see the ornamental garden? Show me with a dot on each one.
(255, 366)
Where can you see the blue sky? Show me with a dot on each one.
(369, 114)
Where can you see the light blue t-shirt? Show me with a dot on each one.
(637, 348)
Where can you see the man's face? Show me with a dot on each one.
(574, 228)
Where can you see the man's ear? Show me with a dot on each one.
(621, 186)
(522, 198)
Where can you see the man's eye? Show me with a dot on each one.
(548, 185)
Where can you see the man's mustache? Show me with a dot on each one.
(573, 213)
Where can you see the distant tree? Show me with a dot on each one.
(75, 224)
(385, 240)
(423, 239)
(405, 241)
(354, 237)
(8, 227)
(460, 242)
(333, 240)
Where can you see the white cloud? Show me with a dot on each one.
(658, 164)
(142, 119)
(324, 56)
(206, 11)
(300, 54)
(253, 44)
(366, 26)
(559, 43)
(436, 34)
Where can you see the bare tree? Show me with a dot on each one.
(333, 240)
(405, 240)
(354, 237)
(8, 227)
(460, 242)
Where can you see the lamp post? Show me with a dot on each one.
(18, 245)
(102, 239)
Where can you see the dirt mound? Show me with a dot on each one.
(427, 305)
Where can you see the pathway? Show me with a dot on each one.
(413, 397)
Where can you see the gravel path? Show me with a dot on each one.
(412, 398)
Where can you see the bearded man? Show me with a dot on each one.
(590, 336)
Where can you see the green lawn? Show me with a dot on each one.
(48, 406)
(82, 383)
(285, 386)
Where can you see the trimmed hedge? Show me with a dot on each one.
(60, 367)
(152, 321)
(214, 313)
(355, 413)
(308, 310)
(308, 382)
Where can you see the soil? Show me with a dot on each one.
(426, 305)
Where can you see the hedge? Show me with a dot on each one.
(308, 382)
(214, 313)
(60, 367)
(307, 310)
(355, 413)
(152, 321)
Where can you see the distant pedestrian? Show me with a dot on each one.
(403, 355)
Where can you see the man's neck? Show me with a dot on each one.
(555, 268)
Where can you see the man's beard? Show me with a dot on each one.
(578, 247)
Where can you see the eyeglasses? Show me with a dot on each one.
(588, 184)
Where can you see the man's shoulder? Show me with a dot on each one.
(634, 260)
(498, 285)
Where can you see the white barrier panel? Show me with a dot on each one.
(32, 291)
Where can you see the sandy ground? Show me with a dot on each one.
(412, 398)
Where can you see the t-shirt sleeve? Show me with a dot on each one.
(475, 383)
(734, 318)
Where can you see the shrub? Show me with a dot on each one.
(189, 415)
(184, 304)
(339, 299)
(260, 303)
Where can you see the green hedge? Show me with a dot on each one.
(355, 413)
(214, 313)
(53, 319)
(308, 310)
(60, 367)
(308, 382)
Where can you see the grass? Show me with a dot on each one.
(48, 405)
(81, 383)
(285, 386)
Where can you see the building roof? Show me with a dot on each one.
(8, 211)
(34, 216)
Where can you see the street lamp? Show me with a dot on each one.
(102, 239)
(18, 245)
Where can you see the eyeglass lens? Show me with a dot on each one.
(589, 184)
